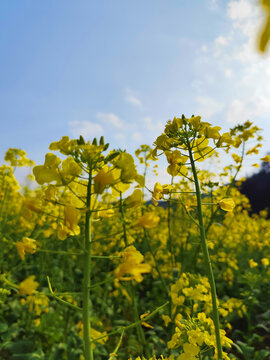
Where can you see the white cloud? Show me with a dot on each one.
(241, 110)
(204, 48)
(228, 73)
(85, 128)
(153, 126)
(120, 136)
(239, 9)
(237, 112)
(220, 43)
(208, 106)
(221, 40)
(132, 99)
(137, 136)
(235, 56)
(110, 118)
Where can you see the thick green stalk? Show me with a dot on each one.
(88, 349)
(206, 254)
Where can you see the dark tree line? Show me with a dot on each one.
(257, 189)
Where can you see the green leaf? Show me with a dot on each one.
(238, 348)
(262, 326)
(3, 327)
(247, 351)
(261, 354)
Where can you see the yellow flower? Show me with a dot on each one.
(102, 179)
(37, 322)
(144, 323)
(70, 167)
(63, 232)
(105, 214)
(190, 352)
(71, 227)
(212, 132)
(33, 205)
(163, 143)
(265, 33)
(176, 160)
(52, 161)
(132, 265)
(265, 261)
(149, 220)
(191, 349)
(94, 334)
(65, 146)
(28, 286)
(225, 138)
(134, 199)
(72, 217)
(166, 319)
(27, 245)
(49, 171)
(44, 174)
(50, 192)
(119, 188)
(227, 204)
(201, 150)
(236, 158)
(254, 150)
(266, 158)
(159, 191)
(196, 122)
(125, 162)
(17, 157)
(252, 263)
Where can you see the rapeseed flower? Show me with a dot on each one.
(132, 265)
(102, 179)
(190, 352)
(71, 227)
(252, 264)
(27, 245)
(149, 220)
(28, 286)
(227, 204)
(159, 191)
(266, 158)
(134, 199)
(265, 261)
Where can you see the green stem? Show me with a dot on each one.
(206, 255)
(52, 294)
(88, 349)
(170, 247)
(140, 332)
(114, 353)
(133, 324)
(146, 236)
(60, 252)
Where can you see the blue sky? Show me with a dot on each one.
(122, 68)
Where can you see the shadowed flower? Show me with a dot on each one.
(102, 179)
(27, 245)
